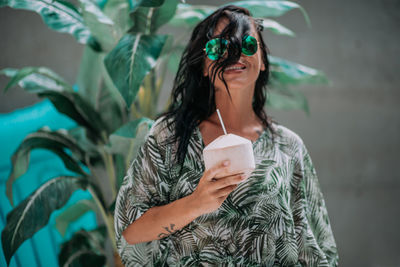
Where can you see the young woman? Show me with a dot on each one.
(170, 211)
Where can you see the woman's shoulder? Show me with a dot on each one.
(162, 130)
(289, 142)
(287, 136)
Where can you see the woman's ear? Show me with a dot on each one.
(262, 67)
(205, 69)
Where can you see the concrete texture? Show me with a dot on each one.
(27, 41)
(352, 133)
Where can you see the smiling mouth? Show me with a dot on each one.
(235, 68)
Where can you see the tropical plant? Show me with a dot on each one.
(113, 102)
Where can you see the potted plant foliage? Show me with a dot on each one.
(113, 102)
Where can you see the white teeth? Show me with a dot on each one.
(234, 68)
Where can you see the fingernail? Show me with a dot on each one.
(226, 162)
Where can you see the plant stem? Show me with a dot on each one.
(112, 173)
(147, 92)
(154, 93)
(164, 65)
(106, 218)
(109, 164)
(134, 113)
(130, 154)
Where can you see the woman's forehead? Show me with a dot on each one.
(221, 25)
(223, 22)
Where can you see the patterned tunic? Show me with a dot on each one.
(277, 217)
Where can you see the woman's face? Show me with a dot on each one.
(250, 66)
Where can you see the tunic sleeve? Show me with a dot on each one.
(317, 245)
(143, 187)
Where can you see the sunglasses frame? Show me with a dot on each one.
(227, 42)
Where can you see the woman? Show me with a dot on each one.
(171, 211)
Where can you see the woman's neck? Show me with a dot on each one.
(237, 114)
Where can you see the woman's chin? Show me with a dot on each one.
(234, 88)
(239, 84)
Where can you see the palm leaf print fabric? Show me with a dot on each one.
(277, 217)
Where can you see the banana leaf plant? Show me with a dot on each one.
(113, 102)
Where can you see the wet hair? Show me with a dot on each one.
(193, 94)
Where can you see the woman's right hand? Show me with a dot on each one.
(211, 192)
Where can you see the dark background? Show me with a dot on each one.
(352, 133)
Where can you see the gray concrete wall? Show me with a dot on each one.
(353, 130)
(26, 41)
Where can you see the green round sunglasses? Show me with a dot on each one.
(216, 48)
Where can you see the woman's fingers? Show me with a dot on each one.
(212, 172)
(228, 181)
(224, 192)
(211, 192)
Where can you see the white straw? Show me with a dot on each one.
(222, 123)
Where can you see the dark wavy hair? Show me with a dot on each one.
(193, 95)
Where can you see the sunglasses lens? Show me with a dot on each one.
(249, 45)
(215, 48)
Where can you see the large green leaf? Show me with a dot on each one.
(79, 135)
(96, 87)
(276, 27)
(162, 66)
(264, 9)
(46, 83)
(127, 139)
(35, 79)
(118, 11)
(83, 257)
(85, 248)
(55, 142)
(33, 213)
(129, 130)
(75, 107)
(110, 104)
(148, 20)
(189, 15)
(61, 16)
(74, 212)
(287, 72)
(129, 62)
(134, 4)
(99, 24)
(90, 76)
(175, 58)
(121, 169)
(124, 144)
